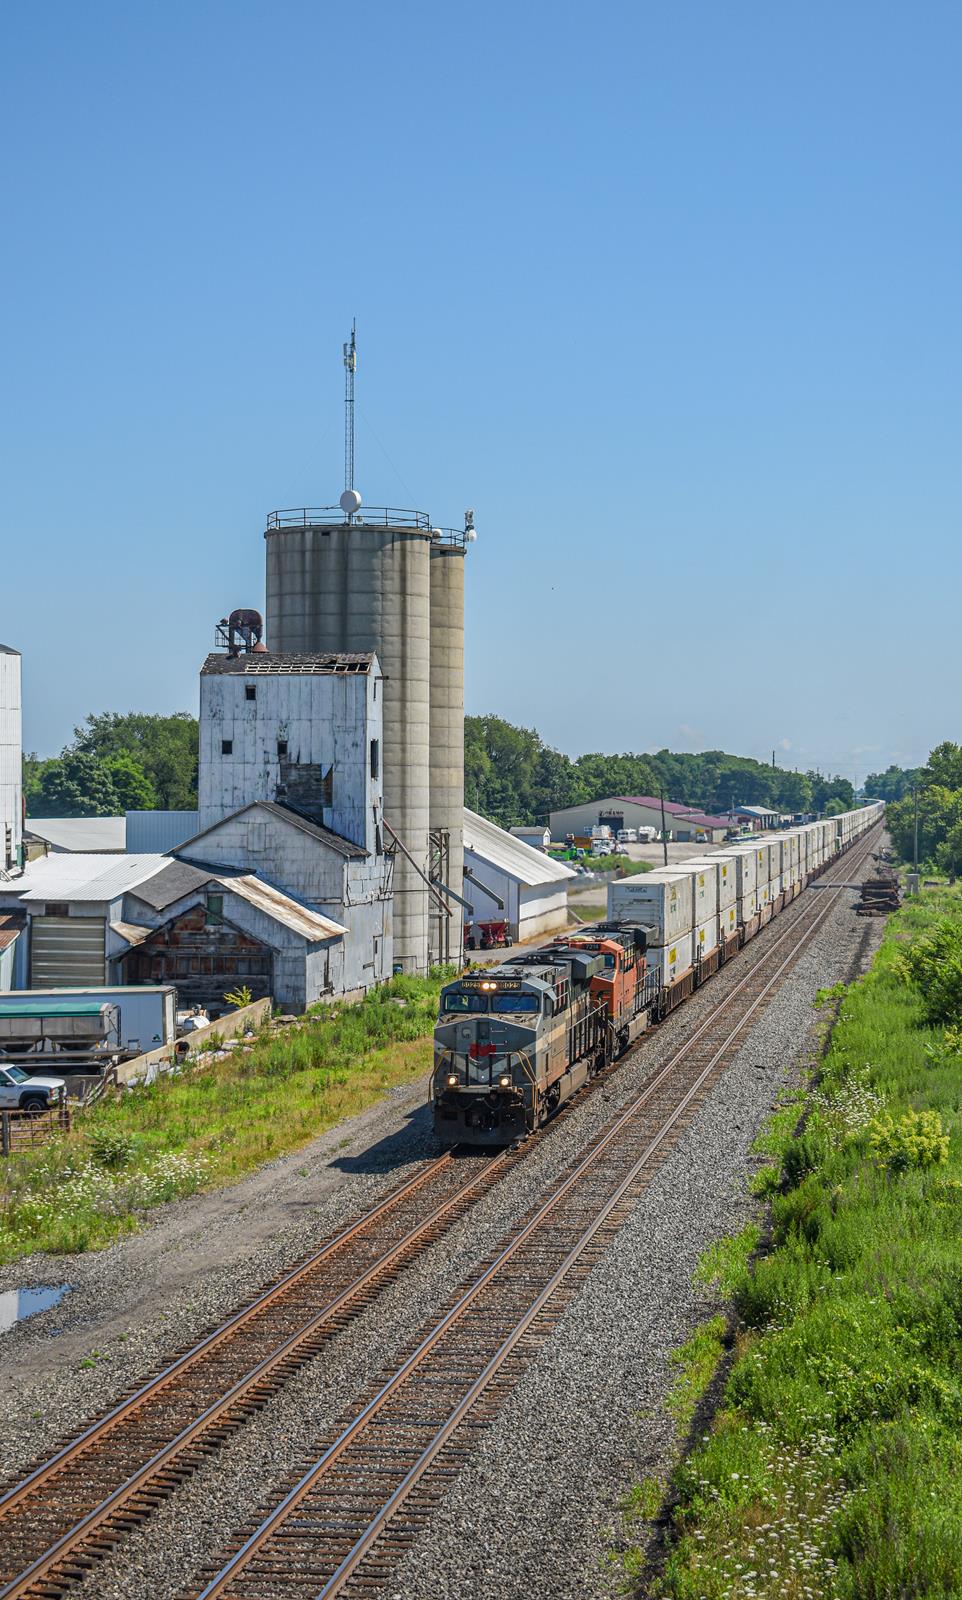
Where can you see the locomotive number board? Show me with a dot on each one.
(473, 985)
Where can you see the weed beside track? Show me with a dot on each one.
(214, 1120)
(832, 1467)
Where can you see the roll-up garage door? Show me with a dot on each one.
(67, 952)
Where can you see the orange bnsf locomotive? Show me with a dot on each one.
(512, 1043)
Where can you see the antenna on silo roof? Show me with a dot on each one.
(350, 499)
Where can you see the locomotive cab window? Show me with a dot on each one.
(514, 1002)
(465, 1002)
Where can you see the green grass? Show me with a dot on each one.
(213, 1122)
(588, 910)
(833, 1467)
(616, 863)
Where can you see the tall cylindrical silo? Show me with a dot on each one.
(363, 585)
(447, 738)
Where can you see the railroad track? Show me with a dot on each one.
(73, 1508)
(350, 1513)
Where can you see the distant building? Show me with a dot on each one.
(757, 817)
(75, 835)
(539, 838)
(684, 823)
(11, 760)
(505, 879)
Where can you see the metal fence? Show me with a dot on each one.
(22, 1130)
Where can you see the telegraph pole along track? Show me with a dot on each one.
(359, 1500)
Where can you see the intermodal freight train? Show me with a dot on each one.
(514, 1041)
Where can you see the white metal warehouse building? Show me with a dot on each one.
(532, 887)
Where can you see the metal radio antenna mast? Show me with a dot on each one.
(350, 367)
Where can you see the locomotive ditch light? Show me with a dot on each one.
(504, 1081)
(452, 1080)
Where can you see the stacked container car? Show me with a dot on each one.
(513, 1043)
(663, 903)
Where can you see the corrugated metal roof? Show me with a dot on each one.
(310, 924)
(12, 924)
(85, 877)
(673, 808)
(80, 834)
(133, 932)
(265, 662)
(489, 842)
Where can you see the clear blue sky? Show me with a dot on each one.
(670, 294)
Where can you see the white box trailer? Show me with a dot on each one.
(146, 1013)
(660, 900)
(670, 961)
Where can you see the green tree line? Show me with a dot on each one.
(936, 788)
(513, 777)
(134, 761)
(116, 762)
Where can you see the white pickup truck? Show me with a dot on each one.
(19, 1091)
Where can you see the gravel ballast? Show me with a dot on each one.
(529, 1513)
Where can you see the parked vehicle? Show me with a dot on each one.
(19, 1091)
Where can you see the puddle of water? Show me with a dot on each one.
(18, 1304)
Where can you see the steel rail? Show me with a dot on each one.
(204, 1346)
(255, 1375)
(219, 1583)
(78, 1537)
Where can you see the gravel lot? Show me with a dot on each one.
(539, 1497)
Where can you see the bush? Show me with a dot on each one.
(917, 1139)
(113, 1147)
(934, 966)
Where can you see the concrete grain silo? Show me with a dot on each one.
(349, 582)
(446, 807)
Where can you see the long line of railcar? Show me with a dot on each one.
(515, 1041)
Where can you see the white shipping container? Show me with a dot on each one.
(746, 870)
(728, 921)
(726, 877)
(670, 961)
(747, 906)
(704, 888)
(705, 937)
(660, 900)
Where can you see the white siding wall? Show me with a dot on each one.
(326, 719)
(11, 742)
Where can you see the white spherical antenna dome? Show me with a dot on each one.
(471, 535)
(350, 502)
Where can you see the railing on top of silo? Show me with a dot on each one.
(367, 516)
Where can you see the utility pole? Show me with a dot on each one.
(915, 846)
(773, 758)
(664, 828)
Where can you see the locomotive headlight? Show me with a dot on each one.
(452, 1080)
(504, 1081)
